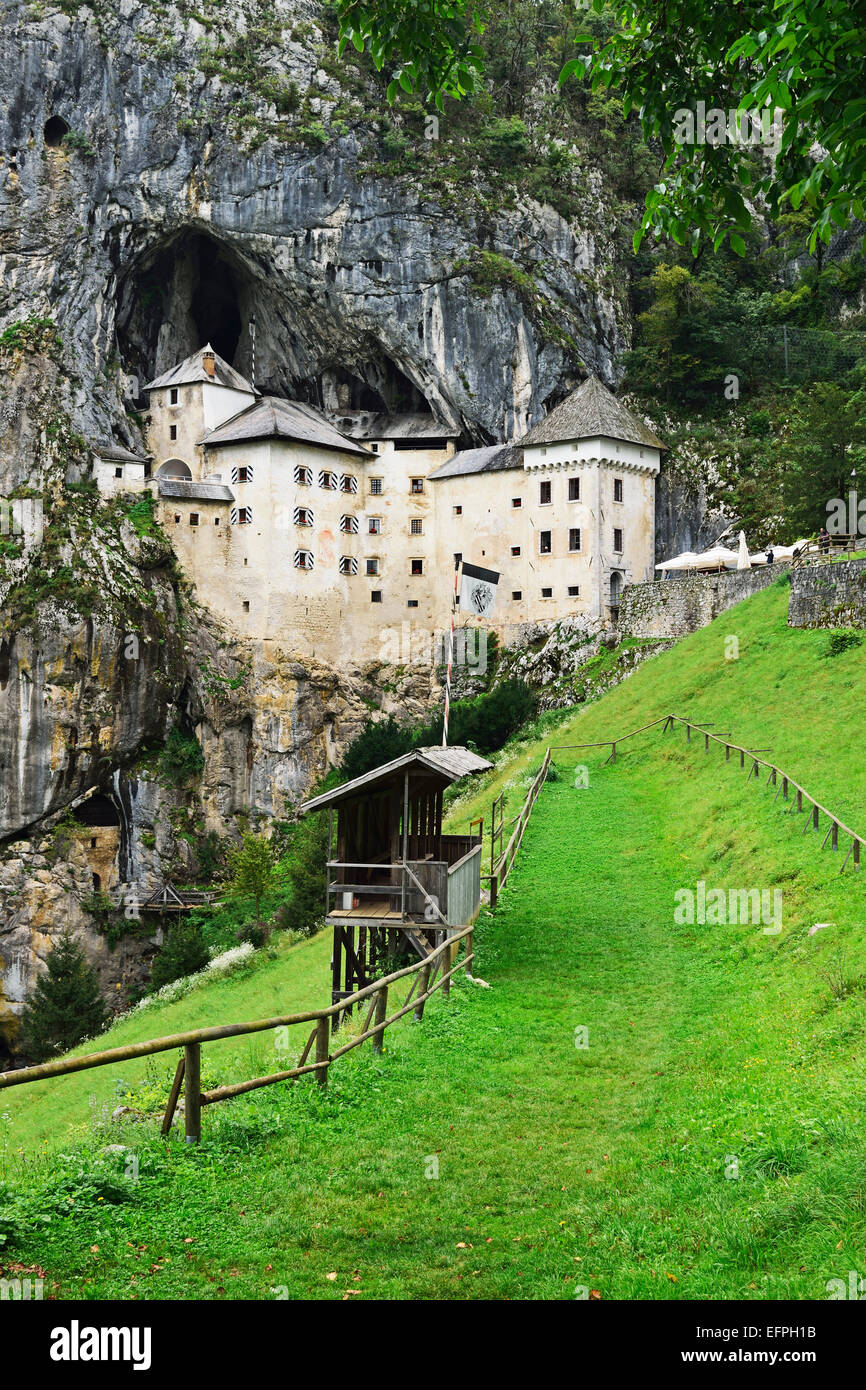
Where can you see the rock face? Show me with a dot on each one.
(166, 218)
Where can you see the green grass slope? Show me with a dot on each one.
(708, 1141)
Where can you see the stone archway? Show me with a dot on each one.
(174, 468)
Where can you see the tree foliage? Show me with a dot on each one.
(183, 953)
(253, 869)
(66, 1006)
(799, 61)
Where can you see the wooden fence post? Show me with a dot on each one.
(173, 1099)
(494, 889)
(192, 1092)
(322, 1050)
(424, 977)
(379, 1017)
(446, 966)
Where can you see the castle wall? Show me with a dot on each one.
(674, 607)
(828, 595)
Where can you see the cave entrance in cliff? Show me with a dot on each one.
(97, 810)
(377, 385)
(189, 291)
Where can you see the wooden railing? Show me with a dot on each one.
(188, 1072)
(817, 551)
(502, 867)
(777, 777)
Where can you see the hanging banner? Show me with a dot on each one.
(477, 590)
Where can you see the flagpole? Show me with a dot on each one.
(450, 659)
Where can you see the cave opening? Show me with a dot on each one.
(54, 130)
(186, 293)
(98, 809)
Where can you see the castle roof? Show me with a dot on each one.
(271, 417)
(591, 411)
(192, 369)
(365, 424)
(492, 458)
(114, 453)
(195, 490)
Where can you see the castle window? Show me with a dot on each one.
(349, 524)
(172, 431)
(517, 594)
(416, 485)
(547, 593)
(176, 518)
(574, 538)
(118, 472)
(242, 474)
(416, 526)
(617, 539)
(246, 605)
(545, 542)
(517, 501)
(303, 560)
(374, 525)
(574, 591)
(349, 483)
(617, 489)
(574, 489)
(303, 516)
(375, 595)
(458, 511)
(348, 565)
(328, 480)
(172, 396)
(193, 518)
(416, 566)
(303, 475)
(376, 486)
(544, 492)
(242, 516)
(97, 883)
(373, 565)
(412, 603)
(515, 550)
(216, 521)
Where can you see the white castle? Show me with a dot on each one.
(324, 532)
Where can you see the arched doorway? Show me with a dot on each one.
(174, 468)
(615, 589)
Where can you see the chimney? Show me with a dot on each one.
(207, 360)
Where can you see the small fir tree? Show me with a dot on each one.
(66, 1006)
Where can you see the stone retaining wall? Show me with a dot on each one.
(677, 606)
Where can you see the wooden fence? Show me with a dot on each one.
(501, 869)
(748, 757)
(188, 1073)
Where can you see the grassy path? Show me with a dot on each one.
(558, 1166)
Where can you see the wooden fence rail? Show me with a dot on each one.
(502, 868)
(188, 1073)
(777, 777)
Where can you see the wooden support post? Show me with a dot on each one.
(379, 1017)
(742, 758)
(784, 789)
(469, 950)
(192, 1092)
(446, 965)
(706, 743)
(727, 752)
(835, 840)
(815, 816)
(424, 976)
(613, 752)
(688, 733)
(799, 800)
(173, 1098)
(322, 1050)
(494, 889)
(856, 854)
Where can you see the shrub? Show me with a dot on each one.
(380, 741)
(66, 1006)
(181, 759)
(841, 641)
(304, 911)
(183, 954)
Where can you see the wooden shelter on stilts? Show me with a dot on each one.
(395, 882)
